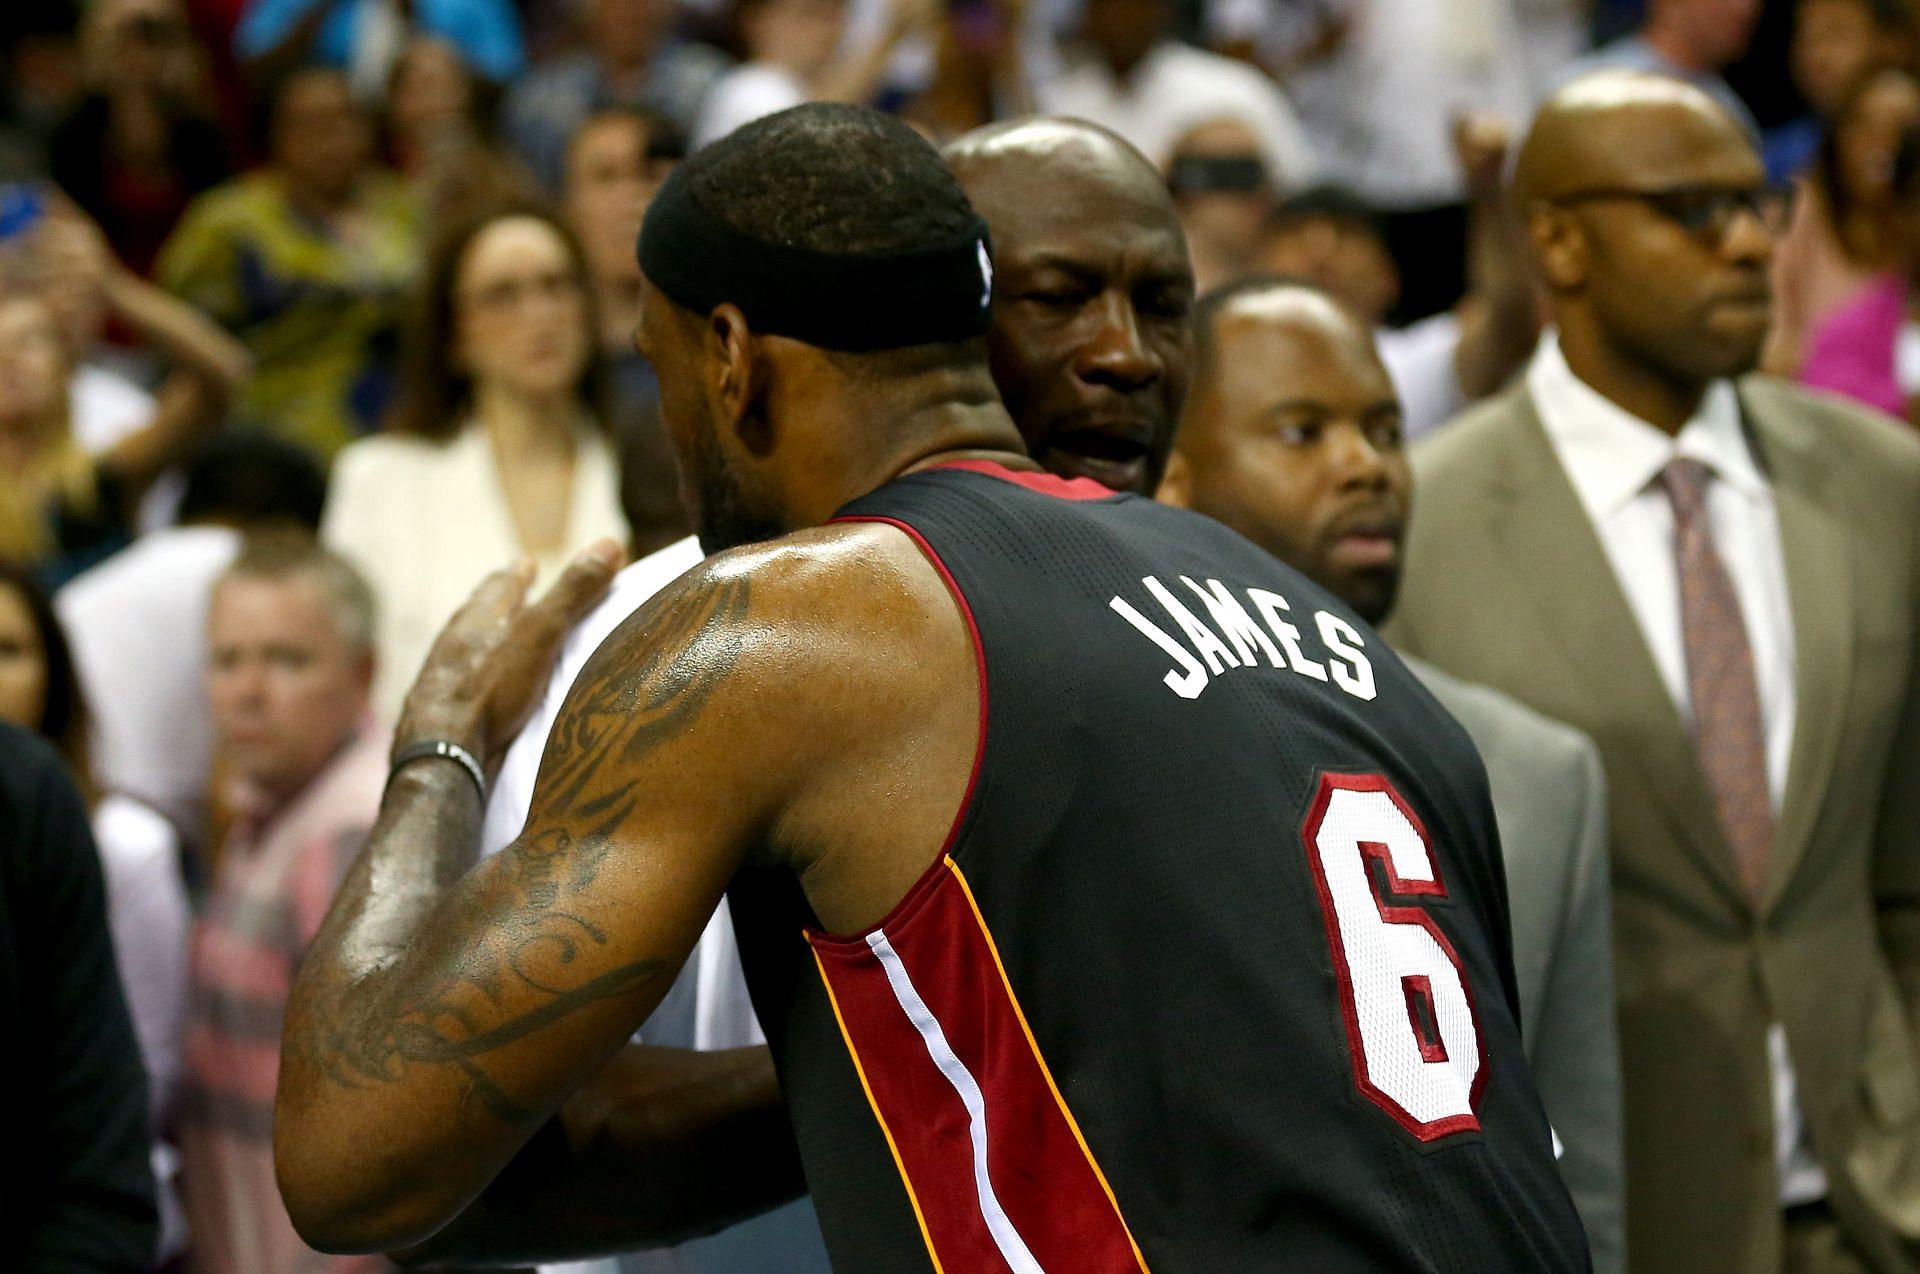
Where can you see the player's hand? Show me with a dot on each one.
(488, 666)
(1480, 144)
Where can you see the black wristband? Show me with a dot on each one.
(443, 750)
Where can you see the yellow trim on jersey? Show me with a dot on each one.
(885, 1131)
(1019, 1015)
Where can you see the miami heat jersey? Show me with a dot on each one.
(1213, 974)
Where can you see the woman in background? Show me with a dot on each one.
(63, 507)
(497, 450)
(147, 906)
(1869, 348)
(439, 133)
(1845, 235)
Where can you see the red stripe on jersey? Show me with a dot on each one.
(1044, 483)
(999, 1173)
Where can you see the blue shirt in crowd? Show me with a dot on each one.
(487, 32)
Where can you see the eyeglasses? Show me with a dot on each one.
(1705, 212)
(510, 294)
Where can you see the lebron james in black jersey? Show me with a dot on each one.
(1114, 900)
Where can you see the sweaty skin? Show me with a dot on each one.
(1108, 354)
(1092, 292)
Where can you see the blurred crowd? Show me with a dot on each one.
(313, 312)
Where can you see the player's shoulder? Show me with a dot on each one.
(834, 596)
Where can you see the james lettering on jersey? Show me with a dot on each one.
(1185, 1025)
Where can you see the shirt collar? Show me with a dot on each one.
(1611, 455)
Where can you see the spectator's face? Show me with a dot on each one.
(609, 184)
(626, 32)
(1690, 305)
(33, 363)
(1834, 42)
(1091, 293)
(432, 91)
(285, 686)
(322, 140)
(1125, 31)
(23, 663)
(146, 44)
(1870, 134)
(802, 34)
(1292, 438)
(1342, 256)
(1718, 31)
(520, 311)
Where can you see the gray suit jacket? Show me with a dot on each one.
(1550, 802)
(1508, 584)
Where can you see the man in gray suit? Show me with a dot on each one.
(1291, 436)
(1716, 576)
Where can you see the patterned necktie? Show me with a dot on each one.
(1727, 729)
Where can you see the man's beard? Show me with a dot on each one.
(729, 516)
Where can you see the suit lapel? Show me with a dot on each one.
(1820, 592)
(1546, 536)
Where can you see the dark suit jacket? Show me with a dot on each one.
(76, 1186)
(1507, 584)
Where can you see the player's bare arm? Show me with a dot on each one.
(774, 700)
(663, 1145)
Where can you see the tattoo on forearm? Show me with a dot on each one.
(519, 974)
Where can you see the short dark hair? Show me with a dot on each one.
(830, 178)
(246, 478)
(1328, 203)
(1206, 311)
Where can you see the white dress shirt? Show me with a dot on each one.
(722, 1014)
(1175, 89)
(138, 624)
(1423, 361)
(1614, 460)
(149, 916)
(744, 94)
(1380, 110)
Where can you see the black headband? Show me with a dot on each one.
(942, 292)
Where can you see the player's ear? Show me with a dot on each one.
(1176, 488)
(740, 369)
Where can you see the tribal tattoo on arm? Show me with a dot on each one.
(422, 964)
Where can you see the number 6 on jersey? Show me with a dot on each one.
(1409, 1012)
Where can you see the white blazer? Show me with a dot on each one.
(425, 522)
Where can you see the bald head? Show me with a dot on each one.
(1650, 223)
(1606, 128)
(1050, 150)
(1292, 438)
(1092, 289)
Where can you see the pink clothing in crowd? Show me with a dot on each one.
(1853, 350)
(270, 893)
